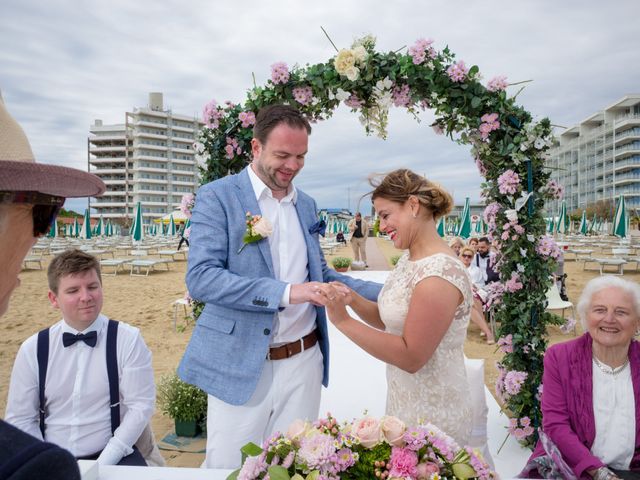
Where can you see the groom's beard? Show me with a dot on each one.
(483, 255)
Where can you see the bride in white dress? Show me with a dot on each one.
(419, 324)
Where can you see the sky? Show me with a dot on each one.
(64, 64)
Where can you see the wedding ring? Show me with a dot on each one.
(331, 298)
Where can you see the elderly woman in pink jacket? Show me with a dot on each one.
(591, 391)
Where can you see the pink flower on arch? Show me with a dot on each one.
(401, 96)
(513, 284)
(458, 72)
(279, 73)
(247, 119)
(421, 50)
(489, 123)
(303, 95)
(211, 114)
(497, 83)
(508, 182)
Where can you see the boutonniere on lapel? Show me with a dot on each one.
(258, 228)
(318, 227)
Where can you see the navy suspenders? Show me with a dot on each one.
(112, 373)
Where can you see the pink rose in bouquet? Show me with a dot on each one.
(367, 431)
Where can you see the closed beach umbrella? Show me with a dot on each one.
(85, 232)
(465, 222)
(100, 231)
(561, 226)
(583, 223)
(172, 226)
(53, 231)
(76, 228)
(620, 219)
(441, 227)
(136, 228)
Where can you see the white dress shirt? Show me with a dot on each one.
(290, 260)
(77, 392)
(615, 417)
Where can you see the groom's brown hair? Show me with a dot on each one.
(70, 262)
(270, 117)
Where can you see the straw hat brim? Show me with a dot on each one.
(48, 179)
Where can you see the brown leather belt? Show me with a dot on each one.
(293, 348)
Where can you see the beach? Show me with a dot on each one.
(147, 303)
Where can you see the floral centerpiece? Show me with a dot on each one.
(366, 448)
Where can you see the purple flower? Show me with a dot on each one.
(345, 459)
(506, 344)
(279, 73)
(458, 72)
(421, 50)
(401, 97)
(497, 83)
(415, 438)
(513, 284)
(481, 168)
(489, 123)
(247, 119)
(317, 451)
(402, 463)
(513, 381)
(303, 95)
(555, 190)
(211, 114)
(353, 101)
(186, 204)
(547, 247)
(490, 213)
(508, 182)
(253, 467)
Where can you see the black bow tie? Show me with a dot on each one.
(89, 338)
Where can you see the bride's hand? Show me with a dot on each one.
(343, 291)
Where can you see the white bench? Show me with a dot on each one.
(172, 254)
(117, 263)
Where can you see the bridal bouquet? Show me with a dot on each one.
(365, 449)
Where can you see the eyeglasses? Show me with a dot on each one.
(467, 256)
(44, 211)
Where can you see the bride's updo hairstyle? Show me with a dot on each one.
(399, 185)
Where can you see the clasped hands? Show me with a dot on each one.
(321, 294)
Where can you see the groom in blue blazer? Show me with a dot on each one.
(260, 347)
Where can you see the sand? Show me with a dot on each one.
(146, 302)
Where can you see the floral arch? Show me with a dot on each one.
(509, 149)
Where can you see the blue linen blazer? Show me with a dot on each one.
(228, 347)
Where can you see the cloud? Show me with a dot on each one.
(64, 64)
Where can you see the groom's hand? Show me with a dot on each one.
(316, 293)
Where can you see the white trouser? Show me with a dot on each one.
(288, 389)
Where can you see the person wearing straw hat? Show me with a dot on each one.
(31, 194)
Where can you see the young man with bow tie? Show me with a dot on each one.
(86, 383)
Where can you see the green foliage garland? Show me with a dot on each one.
(508, 146)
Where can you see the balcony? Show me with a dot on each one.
(107, 171)
(103, 160)
(148, 123)
(182, 129)
(112, 148)
(188, 141)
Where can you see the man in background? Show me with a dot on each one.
(359, 230)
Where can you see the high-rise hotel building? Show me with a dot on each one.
(599, 158)
(148, 159)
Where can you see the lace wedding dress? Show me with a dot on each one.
(438, 393)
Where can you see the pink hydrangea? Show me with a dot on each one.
(506, 343)
(458, 72)
(303, 95)
(317, 451)
(247, 119)
(497, 83)
(401, 96)
(489, 124)
(508, 182)
(513, 381)
(495, 291)
(421, 50)
(513, 284)
(211, 114)
(279, 73)
(490, 213)
(402, 463)
(547, 247)
(481, 168)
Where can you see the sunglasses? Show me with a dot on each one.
(467, 256)
(44, 211)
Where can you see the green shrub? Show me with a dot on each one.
(179, 400)
(341, 262)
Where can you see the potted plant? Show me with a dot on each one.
(341, 264)
(183, 402)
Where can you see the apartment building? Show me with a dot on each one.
(599, 158)
(148, 159)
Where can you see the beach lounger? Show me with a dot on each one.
(32, 260)
(603, 263)
(117, 263)
(147, 265)
(172, 253)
